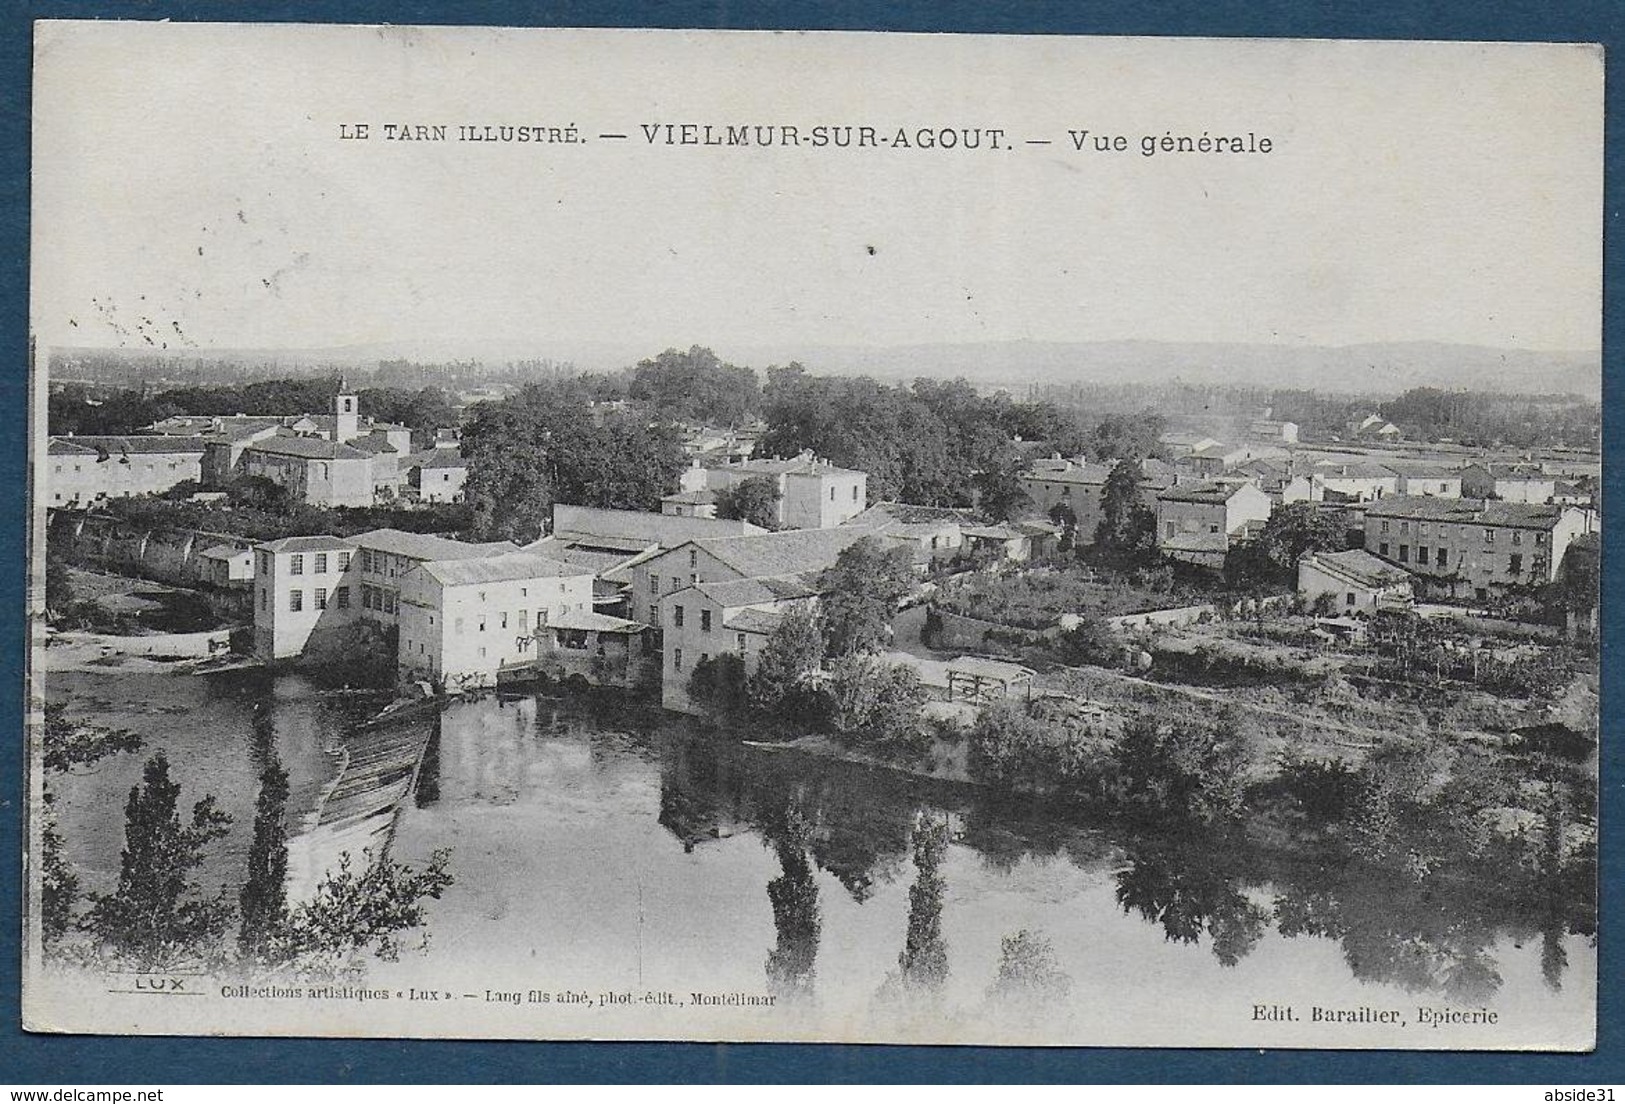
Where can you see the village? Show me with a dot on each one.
(1158, 554)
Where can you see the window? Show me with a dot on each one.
(693, 558)
(1423, 529)
(265, 599)
(321, 598)
(321, 563)
(654, 584)
(344, 561)
(482, 651)
(705, 620)
(854, 492)
(832, 494)
(741, 639)
(654, 615)
(1444, 488)
(1384, 527)
(1517, 537)
(481, 626)
(1404, 553)
(1489, 536)
(1212, 528)
(1168, 530)
(524, 618)
(504, 616)
(1348, 599)
(677, 659)
(1515, 564)
(677, 616)
(1444, 557)
(296, 600)
(341, 597)
(524, 592)
(296, 565)
(1540, 538)
(1404, 527)
(1422, 554)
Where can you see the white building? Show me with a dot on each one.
(462, 620)
(302, 585)
(1357, 581)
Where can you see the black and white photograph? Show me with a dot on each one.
(814, 537)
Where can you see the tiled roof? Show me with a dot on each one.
(1355, 470)
(579, 523)
(500, 568)
(891, 517)
(321, 542)
(1466, 511)
(1360, 566)
(788, 553)
(225, 551)
(307, 448)
(692, 498)
(372, 445)
(426, 546)
(437, 458)
(756, 592)
(796, 466)
(1202, 492)
(594, 622)
(1089, 474)
(760, 622)
(149, 445)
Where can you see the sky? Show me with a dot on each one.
(191, 187)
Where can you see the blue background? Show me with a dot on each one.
(68, 1060)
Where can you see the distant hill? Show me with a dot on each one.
(1386, 368)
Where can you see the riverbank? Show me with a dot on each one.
(149, 653)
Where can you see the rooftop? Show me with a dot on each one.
(1467, 511)
(426, 546)
(798, 465)
(151, 444)
(788, 553)
(1360, 566)
(307, 448)
(321, 542)
(760, 622)
(504, 567)
(591, 525)
(1208, 492)
(594, 622)
(892, 517)
(756, 592)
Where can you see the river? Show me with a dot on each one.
(601, 850)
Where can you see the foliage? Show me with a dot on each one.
(295, 519)
(1037, 598)
(1127, 532)
(543, 446)
(924, 959)
(1190, 767)
(59, 592)
(861, 592)
(1128, 436)
(695, 386)
(68, 743)
(422, 411)
(157, 914)
(796, 915)
(1488, 418)
(923, 444)
(1292, 531)
(718, 683)
(360, 653)
(1090, 641)
(755, 500)
(1579, 579)
(353, 912)
(262, 904)
(1028, 972)
(1021, 748)
(784, 670)
(1000, 493)
(877, 705)
(59, 883)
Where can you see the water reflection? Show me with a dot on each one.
(796, 917)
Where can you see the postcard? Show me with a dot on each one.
(847, 537)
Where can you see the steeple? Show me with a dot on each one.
(347, 415)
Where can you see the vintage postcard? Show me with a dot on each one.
(563, 534)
